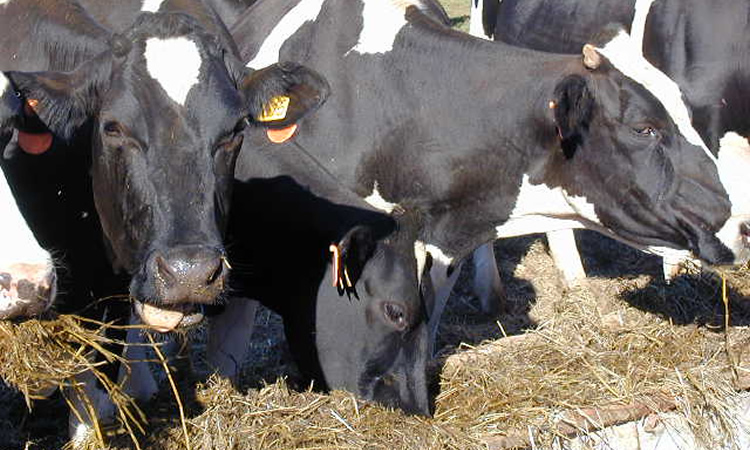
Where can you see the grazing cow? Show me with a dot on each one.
(375, 343)
(701, 47)
(153, 120)
(531, 142)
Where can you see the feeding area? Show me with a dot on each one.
(558, 364)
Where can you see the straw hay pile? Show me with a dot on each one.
(39, 356)
(588, 358)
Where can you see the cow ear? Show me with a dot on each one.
(63, 101)
(350, 256)
(573, 110)
(281, 94)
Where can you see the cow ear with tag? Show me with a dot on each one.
(63, 101)
(573, 109)
(281, 94)
(349, 257)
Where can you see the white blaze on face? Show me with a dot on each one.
(175, 64)
(4, 83)
(151, 5)
(305, 11)
(17, 243)
(381, 22)
(377, 201)
(638, 27)
(626, 55)
(539, 209)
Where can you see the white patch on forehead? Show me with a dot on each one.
(539, 209)
(17, 242)
(438, 254)
(175, 63)
(638, 27)
(3, 83)
(305, 11)
(381, 22)
(377, 201)
(151, 5)
(627, 57)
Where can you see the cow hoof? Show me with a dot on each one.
(26, 290)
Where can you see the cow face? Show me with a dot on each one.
(643, 176)
(376, 344)
(168, 106)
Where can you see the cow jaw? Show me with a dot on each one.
(165, 320)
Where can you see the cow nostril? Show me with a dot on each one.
(5, 280)
(216, 273)
(165, 270)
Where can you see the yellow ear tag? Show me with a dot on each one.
(275, 109)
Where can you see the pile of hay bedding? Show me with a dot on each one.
(38, 356)
(588, 357)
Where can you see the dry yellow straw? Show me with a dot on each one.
(174, 389)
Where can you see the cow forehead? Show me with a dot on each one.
(175, 63)
(624, 53)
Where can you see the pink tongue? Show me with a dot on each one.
(34, 143)
(163, 320)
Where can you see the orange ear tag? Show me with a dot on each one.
(281, 135)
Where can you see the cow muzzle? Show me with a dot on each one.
(26, 290)
(180, 281)
(735, 235)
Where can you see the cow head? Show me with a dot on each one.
(376, 344)
(168, 105)
(629, 162)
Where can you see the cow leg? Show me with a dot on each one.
(487, 285)
(562, 246)
(229, 337)
(443, 282)
(91, 398)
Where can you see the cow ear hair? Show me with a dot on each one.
(305, 89)
(63, 101)
(573, 110)
(355, 249)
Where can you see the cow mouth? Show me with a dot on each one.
(169, 318)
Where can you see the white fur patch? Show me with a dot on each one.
(377, 201)
(5, 2)
(539, 209)
(4, 83)
(734, 171)
(151, 5)
(638, 27)
(626, 56)
(381, 22)
(305, 11)
(420, 253)
(476, 27)
(17, 242)
(175, 63)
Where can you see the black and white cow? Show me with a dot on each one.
(702, 47)
(125, 147)
(531, 142)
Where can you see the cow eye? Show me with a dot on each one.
(112, 128)
(395, 314)
(647, 131)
